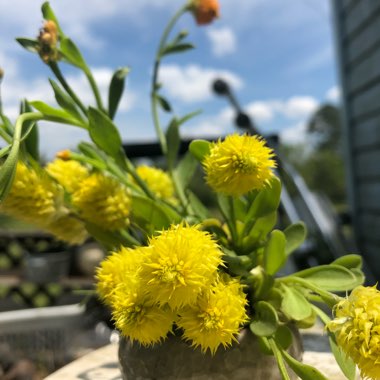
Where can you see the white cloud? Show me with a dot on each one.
(295, 134)
(192, 83)
(223, 41)
(261, 111)
(299, 106)
(334, 94)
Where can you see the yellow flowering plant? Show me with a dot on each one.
(174, 265)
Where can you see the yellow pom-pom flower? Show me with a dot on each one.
(182, 262)
(33, 198)
(103, 201)
(217, 317)
(239, 164)
(139, 318)
(68, 229)
(69, 174)
(357, 329)
(158, 181)
(119, 267)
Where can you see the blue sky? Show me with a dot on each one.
(277, 55)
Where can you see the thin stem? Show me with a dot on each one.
(280, 361)
(154, 105)
(57, 72)
(234, 233)
(94, 88)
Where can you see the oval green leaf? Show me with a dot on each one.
(199, 149)
(294, 304)
(274, 252)
(265, 320)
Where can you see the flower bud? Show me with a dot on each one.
(64, 155)
(204, 11)
(1, 74)
(48, 39)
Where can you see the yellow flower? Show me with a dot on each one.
(69, 174)
(119, 267)
(204, 11)
(158, 181)
(33, 198)
(239, 164)
(357, 329)
(139, 318)
(69, 229)
(182, 262)
(217, 317)
(103, 201)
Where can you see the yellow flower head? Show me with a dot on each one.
(68, 229)
(138, 317)
(69, 174)
(239, 164)
(182, 262)
(357, 329)
(121, 267)
(157, 180)
(205, 11)
(103, 201)
(217, 317)
(33, 198)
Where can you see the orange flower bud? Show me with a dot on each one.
(48, 39)
(64, 155)
(205, 11)
(1, 74)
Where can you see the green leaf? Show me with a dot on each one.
(189, 116)
(199, 149)
(304, 371)
(116, 90)
(274, 252)
(91, 152)
(65, 101)
(294, 304)
(349, 261)
(185, 170)
(54, 114)
(165, 105)
(180, 36)
(31, 142)
(173, 141)
(266, 202)
(29, 44)
(103, 132)
(48, 14)
(283, 337)
(72, 54)
(265, 320)
(345, 363)
(7, 172)
(260, 230)
(155, 214)
(330, 277)
(199, 208)
(110, 240)
(8, 126)
(4, 151)
(238, 265)
(295, 235)
(178, 48)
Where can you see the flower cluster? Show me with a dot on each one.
(175, 279)
(357, 329)
(177, 265)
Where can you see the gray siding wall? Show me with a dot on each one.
(357, 25)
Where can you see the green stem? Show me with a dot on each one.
(280, 360)
(57, 72)
(329, 298)
(234, 233)
(95, 89)
(154, 105)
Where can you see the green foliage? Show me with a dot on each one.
(116, 90)
(265, 321)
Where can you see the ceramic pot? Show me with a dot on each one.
(174, 359)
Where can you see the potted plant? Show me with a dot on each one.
(194, 293)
